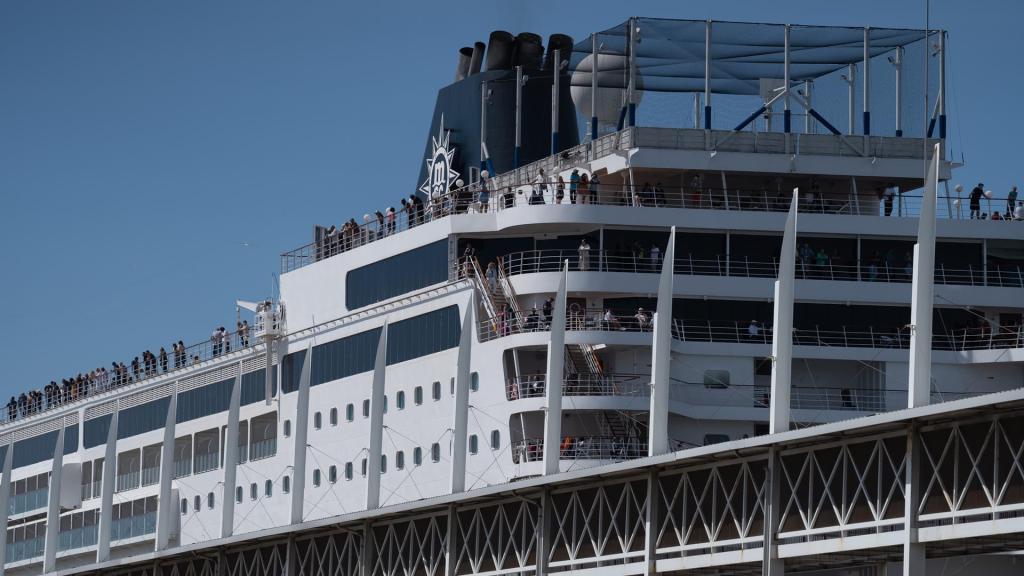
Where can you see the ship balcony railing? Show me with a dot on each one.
(133, 526)
(28, 501)
(535, 386)
(582, 448)
(207, 462)
(182, 468)
(733, 332)
(537, 261)
(127, 481)
(78, 537)
(150, 476)
(26, 549)
(92, 387)
(263, 449)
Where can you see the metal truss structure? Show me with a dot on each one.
(837, 495)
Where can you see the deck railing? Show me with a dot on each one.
(582, 448)
(728, 331)
(535, 261)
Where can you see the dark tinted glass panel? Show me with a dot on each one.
(425, 334)
(203, 401)
(143, 418)
(253, 388)
(33, 450)
(71, 439)
(3, 454)
(399, 274)
(291, 371)
(95, 431)
(344, 357)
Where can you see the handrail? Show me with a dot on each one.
(582, 448)
(534, 385)
(730, 331)
(551, 260)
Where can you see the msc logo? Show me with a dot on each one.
(440, 174)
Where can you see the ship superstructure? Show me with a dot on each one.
(564, 256)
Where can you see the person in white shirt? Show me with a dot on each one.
(642, 319)
(584, 254)
(753, 329)
(655, 256)
(1018, 212)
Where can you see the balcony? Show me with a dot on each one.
(533, 385)
(733, 332)
(582, 448)
(537, 261)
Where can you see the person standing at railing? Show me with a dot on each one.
(1011, 201)
(888, 193)
(547, 309)
(391, 218)
(559, 190)
(216, 341)
(484, 198)
(754, 330)
(593, 189)
(584, 255)
(655, 257)
(975, 200)
(574, 184)
(642, 320)
(583, 189)
(540, 187)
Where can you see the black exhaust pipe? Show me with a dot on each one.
(529, 51)
(560, 42)
(463, 64)
(477, 58)
(499, 50)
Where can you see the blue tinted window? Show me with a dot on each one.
(253, 388)
(143, 418)
(94, 431)
(399, 274)
(291, 371)
(425, 334)
(32, 450)
(71, 439)
(204, 401)
(344, 357)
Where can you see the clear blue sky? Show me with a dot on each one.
(156, 157)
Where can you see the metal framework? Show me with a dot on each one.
(839, 499)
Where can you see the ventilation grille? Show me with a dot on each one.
(100, 410)
(37, 429)
(146, 396)
(218, 375)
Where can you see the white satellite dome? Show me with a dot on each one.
(610, 72)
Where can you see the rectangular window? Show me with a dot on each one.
(396, 275)
(142, 418)
(34, 450)
(204, 401)
(291, 371)
(254, 386)
(344, 357)
(94, 432)
(424, 334)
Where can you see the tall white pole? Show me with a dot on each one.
(786, 115)
(782, 332)
(661, 355)
(942, 83)
(594, 70)
(923, 286)
(555, 77)
(375, 449)
(851, 75)
(519, 118)
(483, 125)
(460, 418)
(897, 62)
(631, 87)
(808, 119)
(553, 380)
(866, 85)
(707, 75)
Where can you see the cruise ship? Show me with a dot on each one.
(676, 295)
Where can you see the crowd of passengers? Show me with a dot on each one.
(120, 374)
